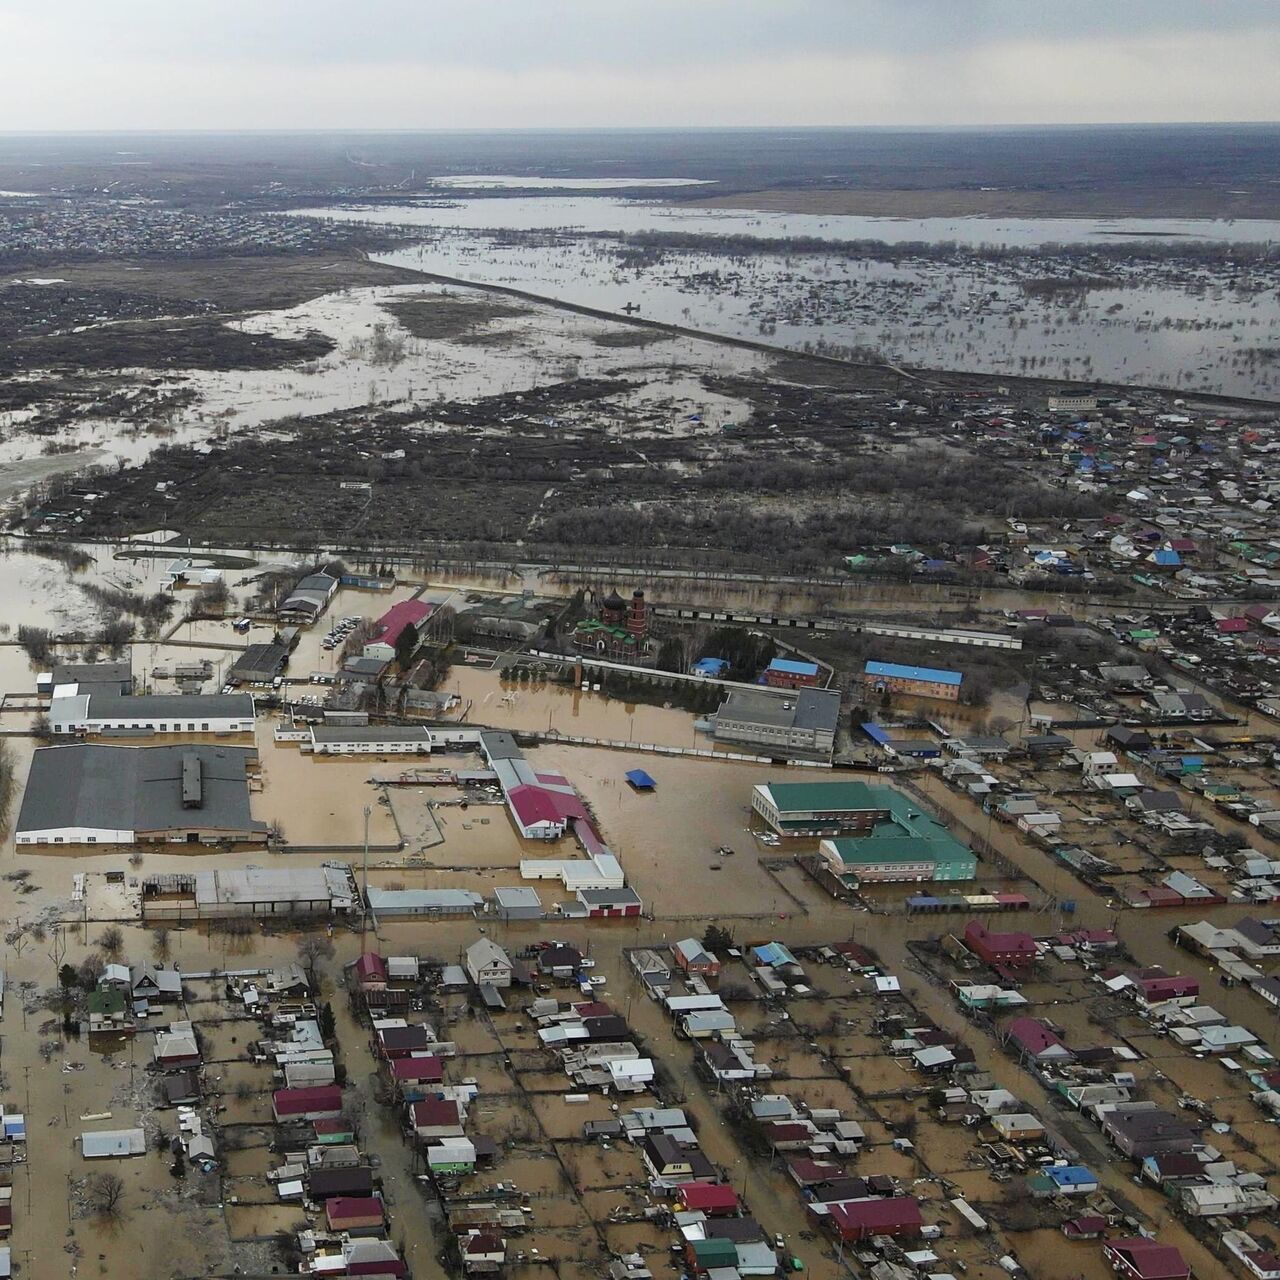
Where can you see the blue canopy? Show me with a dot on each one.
(641, 780)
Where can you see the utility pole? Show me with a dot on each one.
(364, 912)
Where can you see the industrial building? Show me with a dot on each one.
(89, 794)
(921, 682)
(105, 713)
(780, 722)
(369, 740)
(308, 600)
(210, 895)
(395, 904)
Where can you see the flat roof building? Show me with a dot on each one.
(85, 793)
(98, 713)
(406, 903)
(782, 723)
(370, 740)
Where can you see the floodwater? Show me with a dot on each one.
(544, 707)
(539, 347)
(1189, 329)
(588, 213)
(511, 181)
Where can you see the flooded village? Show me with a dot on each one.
(497, 784)
(373, 917)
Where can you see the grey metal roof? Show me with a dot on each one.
(615, 897)
(392, 900)
(171, 706)
(499, 745)
(91, 676)
(135, 788)
(794, 708)
(516, 896)
(113, 1142)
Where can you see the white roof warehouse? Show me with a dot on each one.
(73, 712)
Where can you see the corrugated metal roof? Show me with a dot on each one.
(895, 670)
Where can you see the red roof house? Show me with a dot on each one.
(314, 1103)
(392, 624)
(1035, 1039)
(436, 1118)
(1138, 1258)
(354, 1213)
(1089, 1227)
(1166, 987)
(712, 1198)
(1000, 950)
(854, 1220)
(371, 970)
(427, 1068)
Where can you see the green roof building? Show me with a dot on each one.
(893, 840)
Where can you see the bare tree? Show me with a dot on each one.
(90, 970)
(105, 1191)
(312, 948)
(111, 940)
(160, 942)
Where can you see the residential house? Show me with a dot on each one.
(433, 1118)
(671, 1160)
(319, 1102)
(1000, 950)
(693, 957)
(1139, 1130)
(1142, 1258)
(488, 964)
(155, 985)
(856, 1220)
(1036, 1040)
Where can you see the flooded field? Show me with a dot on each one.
(1189, 328)
(603, 214)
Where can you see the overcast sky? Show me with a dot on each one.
(427, 64)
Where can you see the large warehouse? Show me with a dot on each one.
(151, 713)
(89, 794)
